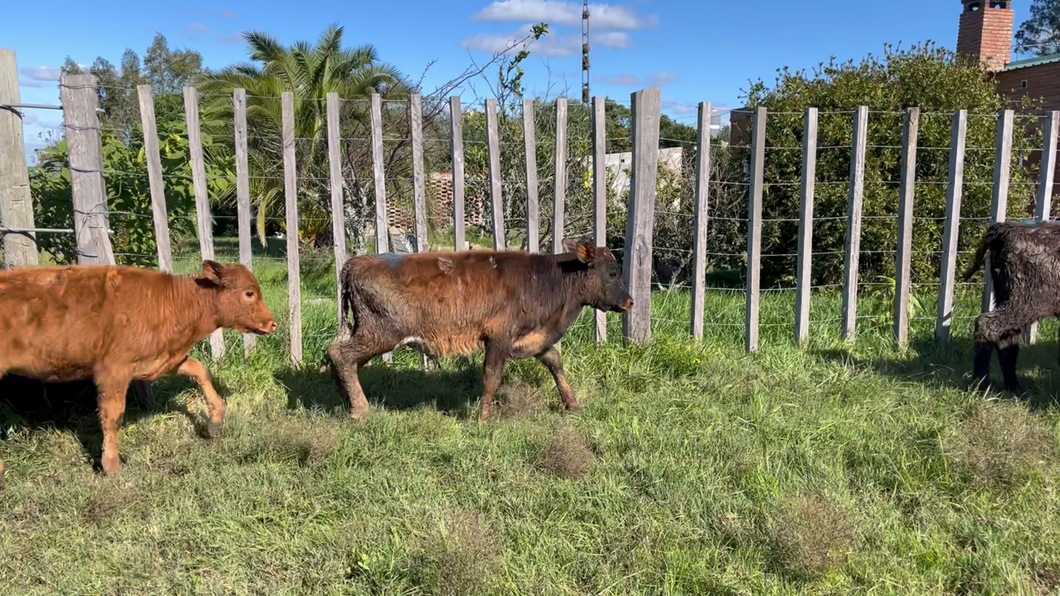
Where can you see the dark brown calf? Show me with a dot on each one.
(512, 303)
(1025, 270)
(118, 324)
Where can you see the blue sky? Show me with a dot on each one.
(696, 50)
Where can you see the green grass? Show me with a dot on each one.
(697, 469)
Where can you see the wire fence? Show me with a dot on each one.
(389, 159)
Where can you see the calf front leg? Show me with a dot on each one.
(492, 374)
(551, 360)
(111, 387)
(193, 369)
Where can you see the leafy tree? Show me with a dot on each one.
(310, 73)
(1040, 34)
(937, 81)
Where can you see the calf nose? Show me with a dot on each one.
(271, 326)
(628, 305)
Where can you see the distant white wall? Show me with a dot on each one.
(619, 165)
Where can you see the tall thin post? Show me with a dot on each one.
(16, 204)
(958, 139)
(79, 98)
(559, 202)
(853, 239)
(600, 196)
(906, 194)
(338, 224)
(1047, 170)
(533, 230)
(457, 127)
(803, 272)
(646, 109)
(493, 142)
(202, 197)
(246, 252)
(999, 198)
(159, 213)
(754, 228)
(382, 226)
(699, 238)
(290, 187)
(418, 182)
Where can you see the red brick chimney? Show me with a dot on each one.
(986, 32)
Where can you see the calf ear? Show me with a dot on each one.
(586, 253)
(570, 245)
(213, 271)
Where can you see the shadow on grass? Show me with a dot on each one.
(394, 388)
(950, 365)
(27, 403)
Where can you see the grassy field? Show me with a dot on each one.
(697, 469)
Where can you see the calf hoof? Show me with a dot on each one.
(214, 429)
(359, 415)
(111, 466)
(575, 410)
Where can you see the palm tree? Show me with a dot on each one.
(310, 73)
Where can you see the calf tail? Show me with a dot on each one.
(346, 301)
(993, 234)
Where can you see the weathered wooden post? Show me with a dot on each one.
(290, 191)
(533, 233)
(803, 272)
(246, 253)
(646, 109)
(906, 194)
(16, 204)
(599, 196)
(159, 213)
(999, 198)
(699, 237)
(944, 312)
(493, 144)
(754, 228)
(80, 100)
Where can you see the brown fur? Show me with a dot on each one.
(512, 303)
(115, 325)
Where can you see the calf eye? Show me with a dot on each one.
(250, 295)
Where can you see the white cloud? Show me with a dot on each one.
(568, 14)
(618, 40)
(661, 79)
(552, 45)
(22, 83)
(198, 31)
(229, 14)
(629, 80)
(43, 73)
(679, 110)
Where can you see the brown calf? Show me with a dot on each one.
(512, 303)
(118, 324)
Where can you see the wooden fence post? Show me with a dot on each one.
(646, 109)
(382, 226)
(159, 213)
(559, 201)
(754, 228)
(338, 225)
(246, 253)
(493, 142)
(906, 196)
(600, 196)
(1046, 173)
(290, 188)
(16, 204)
(418, 183)
(202, 197)
(457, 126)
(699, 236)
(533, 230)
(803, 272)
(853, 239)
(80, 99)
(999, 199)
(958, 139)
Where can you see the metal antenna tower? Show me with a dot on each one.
(585, 52)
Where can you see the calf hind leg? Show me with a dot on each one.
(347, 357)
(492, 374)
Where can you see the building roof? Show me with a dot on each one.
(1038, 61)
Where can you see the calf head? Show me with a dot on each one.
(240, 303)
(604, 288)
